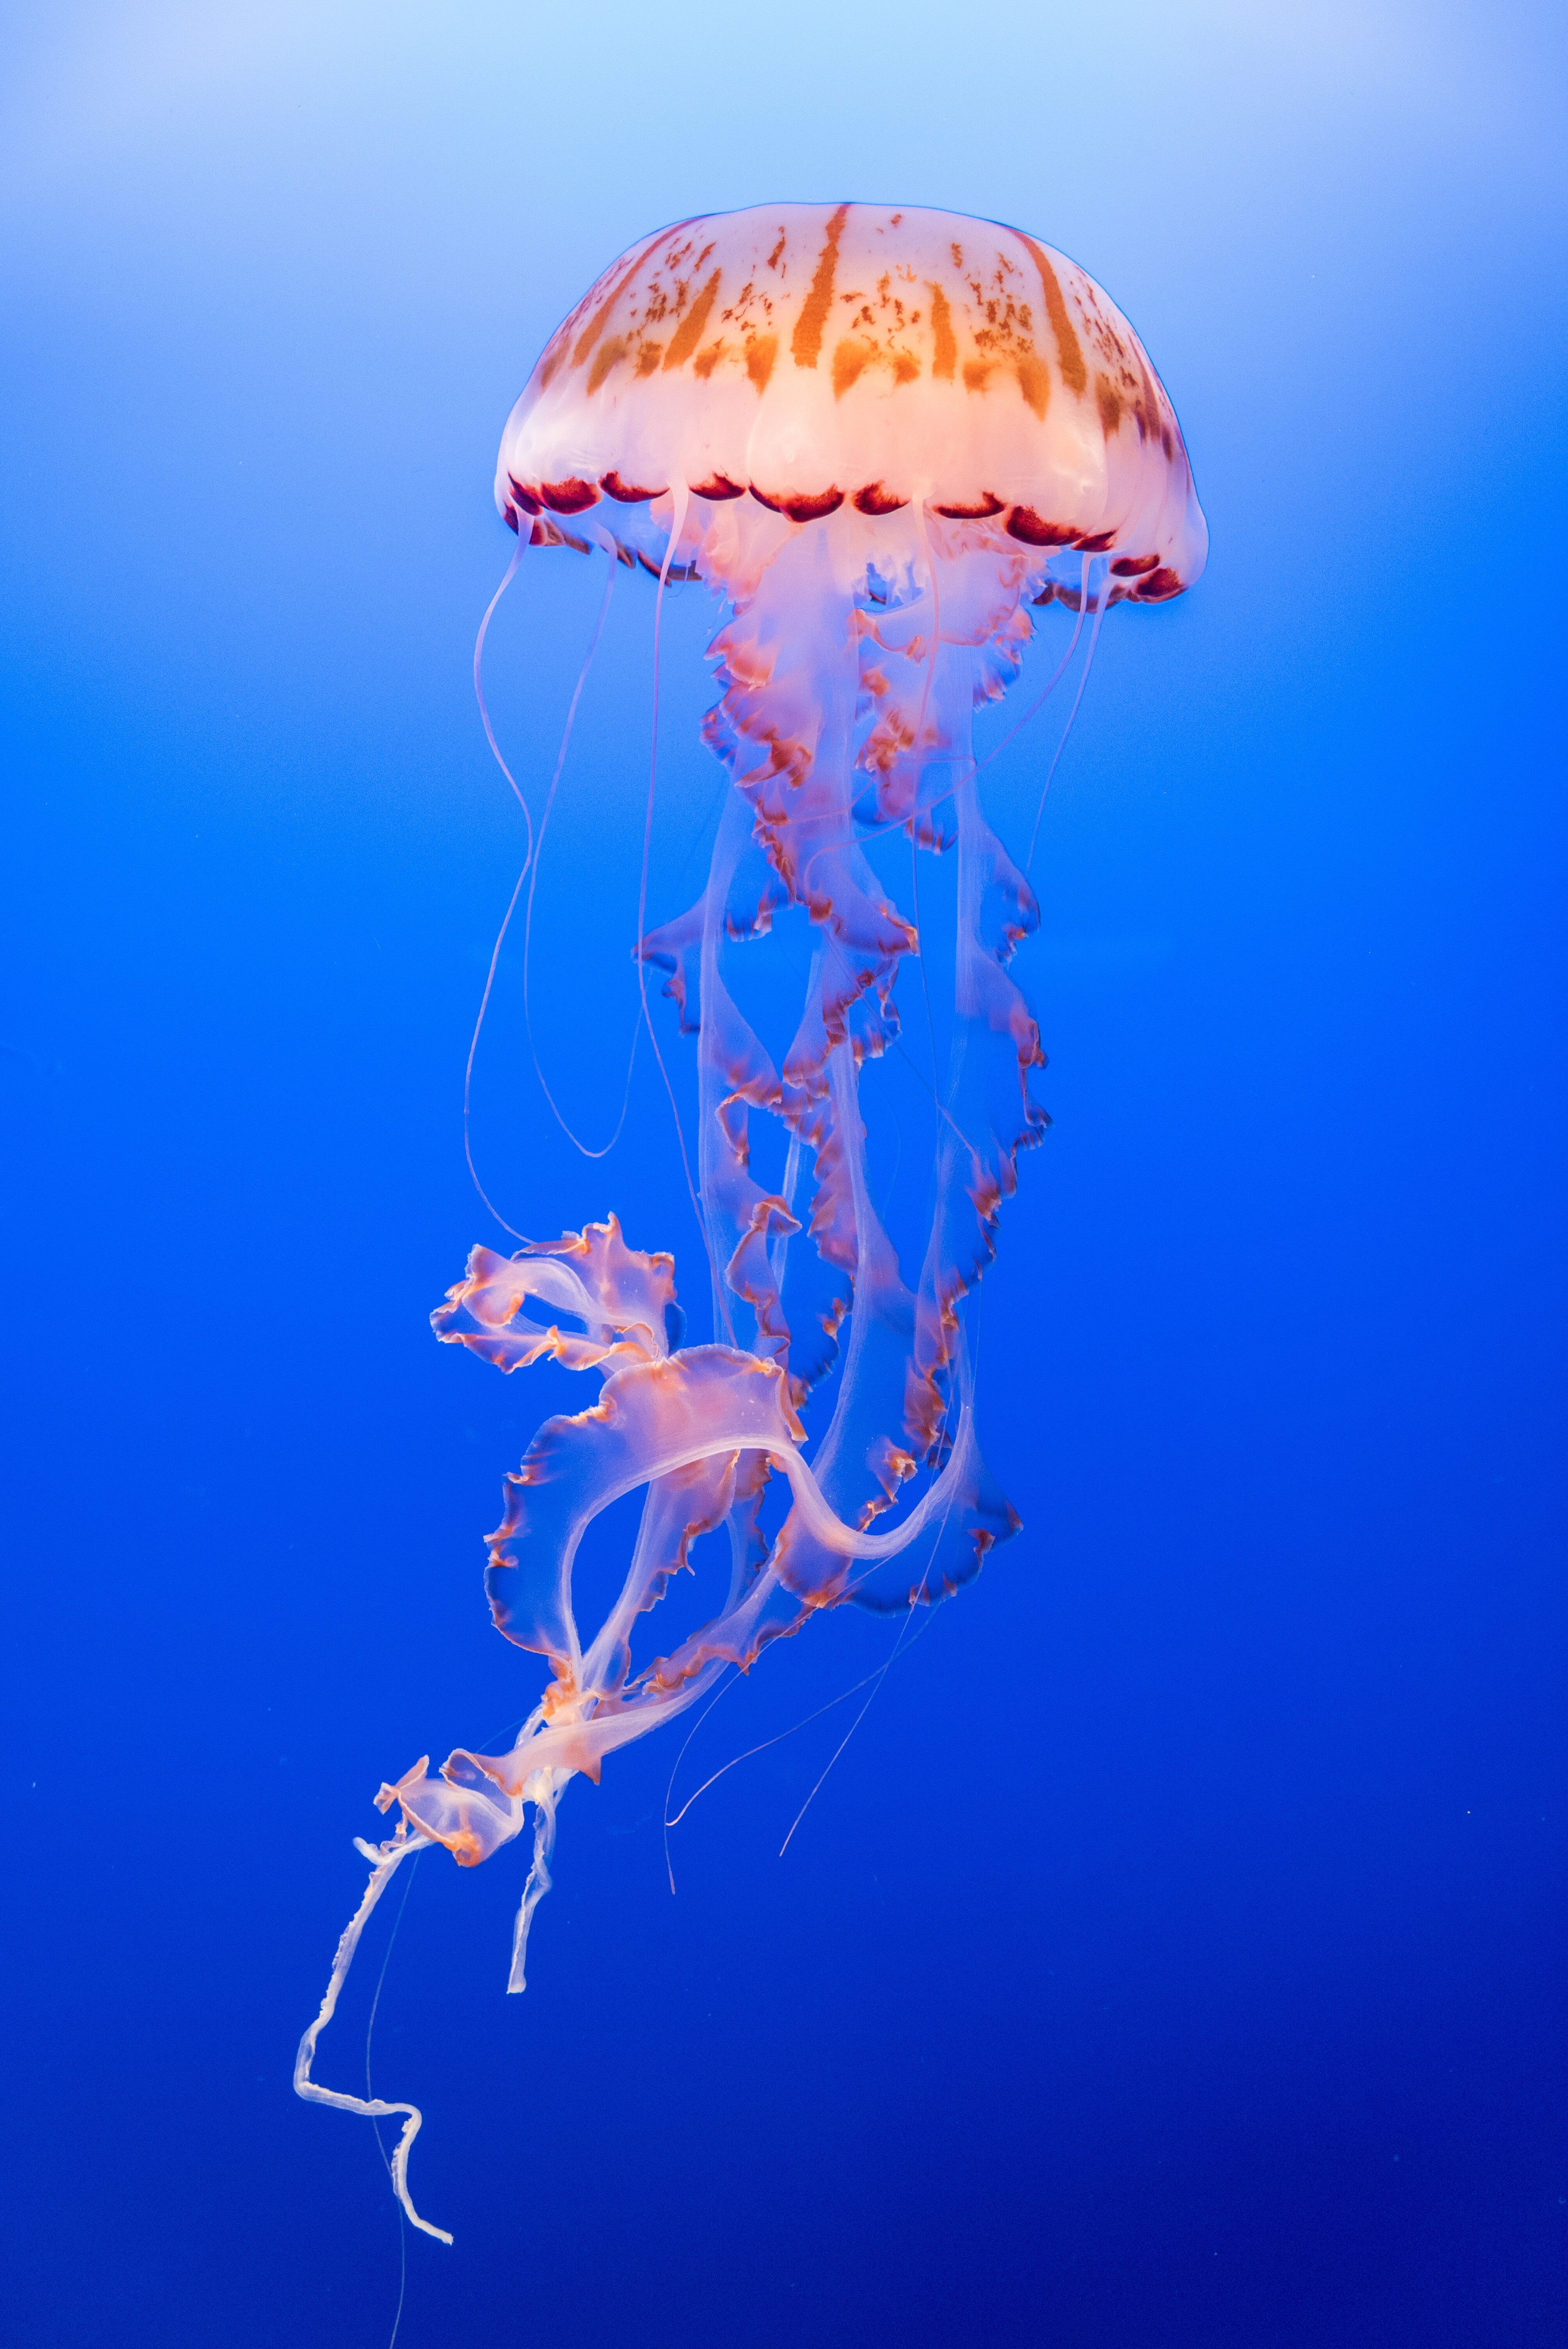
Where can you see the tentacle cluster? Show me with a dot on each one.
(847, 689)
(884, 439)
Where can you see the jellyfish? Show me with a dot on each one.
(884, 440)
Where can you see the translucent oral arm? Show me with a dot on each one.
(387, 1859)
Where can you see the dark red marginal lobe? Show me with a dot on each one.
(1131, 567)
(571, 496)
(1158, 587)
(1035, 531)
(528, 500)
(981, 510)
(874, 498)
(717, 488)
(810, 507)
(626, 493)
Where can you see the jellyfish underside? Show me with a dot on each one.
(855, 648)
(832, 670)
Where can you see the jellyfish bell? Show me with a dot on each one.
(883, 438)
(854, 362)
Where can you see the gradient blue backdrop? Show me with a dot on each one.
(1175, 1959)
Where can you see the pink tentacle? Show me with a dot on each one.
(680, 500)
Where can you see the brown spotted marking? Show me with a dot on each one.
(853, 355)
(608, 355)
(1149, 406)
(760, 354)
(849, 361)
(689, 334)
(946, 350)
(1069, 355)
(1159, 410)
(595, 327)
(1034, 382)
(1108, 400)
(806, 343)
(705, 361)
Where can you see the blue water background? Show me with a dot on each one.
(1176, 1954)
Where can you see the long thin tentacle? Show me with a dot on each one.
(1067, 729)
(530, 874)
(531, 871)
(507, 577)
(1040, 699)
(473, 1048)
